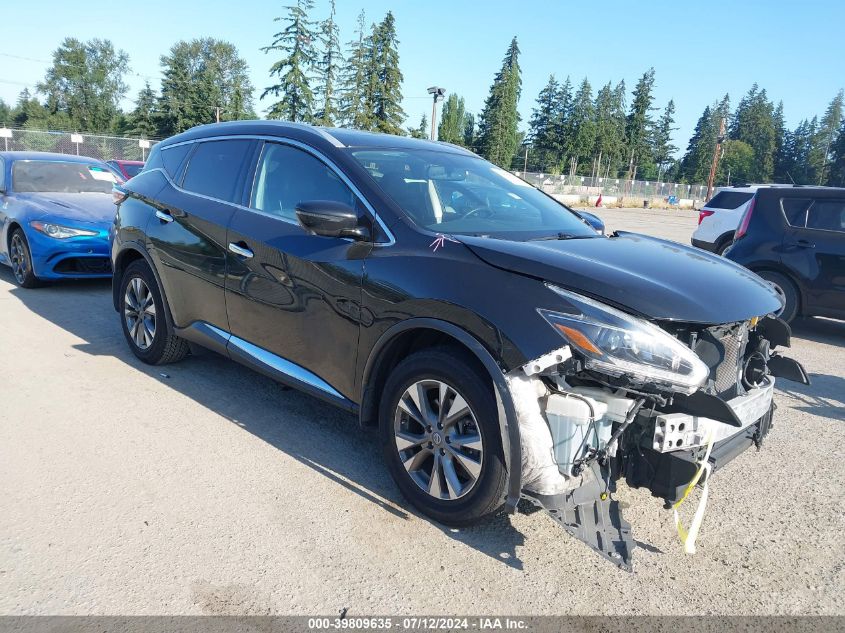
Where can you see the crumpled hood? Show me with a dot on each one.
(90, 208)
(655, 278)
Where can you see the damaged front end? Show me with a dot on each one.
(661, 407)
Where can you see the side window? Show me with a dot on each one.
(828, 215)
(287, 176)
(795, 210)
(2, 174)
(215, 167)
(172, 159)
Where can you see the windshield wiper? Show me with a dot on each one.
(562, 236)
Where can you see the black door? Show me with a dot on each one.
(188, 235)
(814, 249)
(295, 295)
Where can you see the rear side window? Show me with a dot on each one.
(795, 210)
(729, 200)
(173, 157)
(215, 167)
(287, 176)
(827, 215)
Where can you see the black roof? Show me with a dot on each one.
(336, 137)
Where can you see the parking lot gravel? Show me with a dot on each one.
(204, 488)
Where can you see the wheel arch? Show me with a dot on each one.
(420, 333)
(799, 289)
(129, 253)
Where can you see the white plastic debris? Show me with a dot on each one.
(540, 473)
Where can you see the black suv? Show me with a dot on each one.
(795, 238)
(501, 345)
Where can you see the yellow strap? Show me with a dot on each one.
(688, 537)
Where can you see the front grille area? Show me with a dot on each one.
(84, 266)
(722, 348)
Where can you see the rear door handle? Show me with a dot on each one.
(164, 216)
(240, 249)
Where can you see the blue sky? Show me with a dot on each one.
(700, 50)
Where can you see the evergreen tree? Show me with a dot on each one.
(580, 128)
(29, 113)
(86, 83)
(543, 128)
(498, 134)
(293, 70)
(737, 163)
(695, 165)
(452, 120)
(421, 131)
(836, 173)
(384, 86)
(5, 114)
(826, 135)
(638, 126)
(469, 131)
(609, 129)
(353, 106)
(141, 121)
(663, 147)
(328, 68)
(754, 123)
(202, 80)
(781, 144)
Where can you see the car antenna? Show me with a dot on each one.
(790, 177)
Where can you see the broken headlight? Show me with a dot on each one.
(617, 344)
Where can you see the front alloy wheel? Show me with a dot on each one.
(139, 310)
(21, 260)
(438, 439)
(441, 437)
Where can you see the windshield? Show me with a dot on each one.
(132, 169)
(57, 177)
(454, 193)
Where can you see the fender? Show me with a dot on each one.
(508, 425)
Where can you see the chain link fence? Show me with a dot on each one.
(92, 145)
(585, 187)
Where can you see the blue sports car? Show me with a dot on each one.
(55, 215)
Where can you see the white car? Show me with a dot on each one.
(719, 218)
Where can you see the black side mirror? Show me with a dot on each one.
(330, 219)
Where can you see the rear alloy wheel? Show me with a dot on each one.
(787, 291)
(441, 438)
(145, 326)
(21, 260)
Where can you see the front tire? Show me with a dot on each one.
(21, 259)
(145, 325)
(787, 290)
(441, 438)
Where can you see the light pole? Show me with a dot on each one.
(437, 95)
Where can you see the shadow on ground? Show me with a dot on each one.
(316, 434)
(825, 397)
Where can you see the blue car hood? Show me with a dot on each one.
(90, 208)
(655, 278)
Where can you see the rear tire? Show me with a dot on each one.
(723, 245)
(454, 432)
(786, 289)
(21, 259)
(145, 325)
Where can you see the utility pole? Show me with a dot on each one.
(437, 94)
(525, 164)
(716, 154)
(217, 113)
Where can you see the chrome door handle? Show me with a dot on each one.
(164, 216)
(243, 251)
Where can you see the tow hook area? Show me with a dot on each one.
(589, 514)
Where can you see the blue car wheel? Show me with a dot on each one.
(21, 259)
